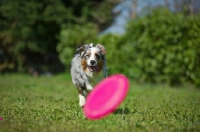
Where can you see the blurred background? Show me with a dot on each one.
(156, 41)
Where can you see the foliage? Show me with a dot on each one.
(166, 47)
(29, 104)
(29, 29)
(159, 47)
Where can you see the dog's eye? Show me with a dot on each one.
(87, 56)
(97, 56)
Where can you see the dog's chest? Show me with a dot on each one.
(95, 78)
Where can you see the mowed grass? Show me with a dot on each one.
(29, 104)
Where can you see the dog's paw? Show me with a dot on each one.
(81, 100)
(89, 87)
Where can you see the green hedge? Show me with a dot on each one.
(161, 47)
(166, 47)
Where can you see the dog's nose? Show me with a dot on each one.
(92, 62)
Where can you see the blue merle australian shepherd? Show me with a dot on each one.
(88, 67)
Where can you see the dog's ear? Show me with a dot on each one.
(84, 47)
(102, 48)
(81, 48)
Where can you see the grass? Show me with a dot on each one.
(51, 104)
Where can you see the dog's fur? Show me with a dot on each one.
(88, 67)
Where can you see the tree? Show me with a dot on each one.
(29, 29)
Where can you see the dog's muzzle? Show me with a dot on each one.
(93, 66)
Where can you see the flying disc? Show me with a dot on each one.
(106, 96)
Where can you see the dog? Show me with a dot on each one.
(88, 67)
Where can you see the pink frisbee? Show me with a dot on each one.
(106, 96)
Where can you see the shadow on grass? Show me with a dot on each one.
(122, 111)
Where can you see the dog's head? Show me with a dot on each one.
(92, 57)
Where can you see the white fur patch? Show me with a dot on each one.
(89, 87)
(81, 100)
(93, 50)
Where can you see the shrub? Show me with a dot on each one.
(166, 47)
(160, 47)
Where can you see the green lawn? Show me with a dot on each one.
(51, 104)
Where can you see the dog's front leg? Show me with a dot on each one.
(81, 97)
(89, 87)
